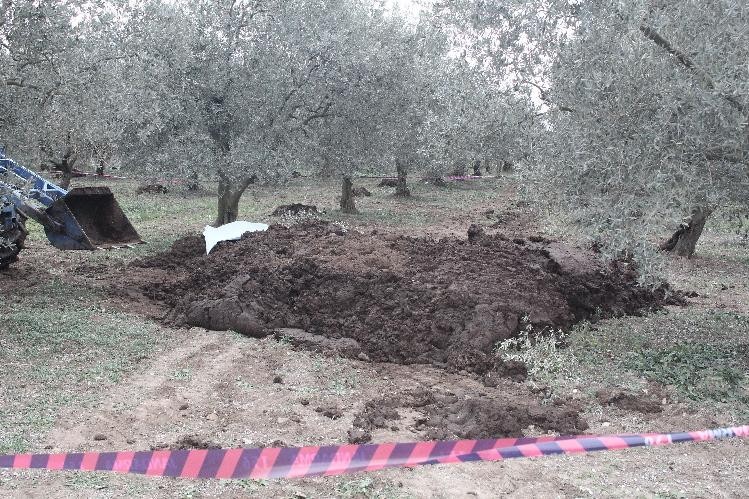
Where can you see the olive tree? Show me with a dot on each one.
(647, 122)
(57, 59)
(240, 87)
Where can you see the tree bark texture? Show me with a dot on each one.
(66, 167)
(477, 168)
(229, 194)
(684, 241)
(348, 203)
(401, 187)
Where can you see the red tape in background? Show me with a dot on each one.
(294, 462)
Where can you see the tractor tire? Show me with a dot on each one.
(11, 244)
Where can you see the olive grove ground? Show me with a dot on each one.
(86, 371)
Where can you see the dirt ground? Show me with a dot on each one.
(85, 371)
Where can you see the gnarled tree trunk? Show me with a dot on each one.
(348, 203)
(684, 240)
(66, 167)
(401, 187)
(229, 194)
(477, 168)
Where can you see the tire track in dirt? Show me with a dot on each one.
(150, 400)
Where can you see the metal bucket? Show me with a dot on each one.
(90, 218)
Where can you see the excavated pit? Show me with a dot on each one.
(389, 298)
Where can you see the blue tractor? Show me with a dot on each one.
(85, 218)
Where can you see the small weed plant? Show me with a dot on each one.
(540, 350)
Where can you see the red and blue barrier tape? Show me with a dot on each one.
(295, 462)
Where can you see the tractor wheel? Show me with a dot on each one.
(11, 243)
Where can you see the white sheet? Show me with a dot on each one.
(229, 232)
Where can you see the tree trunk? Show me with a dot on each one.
(401, 188)
(684, 240)
(228, 207)
(477, 168)
(229, 195)
(66, 167)
(348, 203)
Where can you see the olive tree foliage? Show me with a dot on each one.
(657, 133)
(489, 88)
(238, 87)
(362, 133)
(646, 123)
(56, 58)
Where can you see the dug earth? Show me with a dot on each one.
(388, 298)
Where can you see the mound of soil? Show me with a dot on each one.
(630, 401)
(394, 298)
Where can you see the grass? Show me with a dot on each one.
(541, 351)
(60, 349)
(698, 371)
(701, 354)
(367, 488)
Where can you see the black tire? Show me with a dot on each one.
(11, 244)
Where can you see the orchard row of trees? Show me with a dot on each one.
(244, 90)
(625, 116)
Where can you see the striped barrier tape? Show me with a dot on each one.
(295, 462)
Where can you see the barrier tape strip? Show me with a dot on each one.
(295, 462)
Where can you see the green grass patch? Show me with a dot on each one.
(698, 371)
(703, 354)
(61, 349)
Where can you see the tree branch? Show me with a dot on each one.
(687, 62)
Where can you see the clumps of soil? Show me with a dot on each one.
(492, 417)
(448, 416)
(639, 402)
(393, 298)
(377, 414)
(388, 182)
(152, 189)
(294, 209)
(188, 442)
(318, 343)
(330, 411)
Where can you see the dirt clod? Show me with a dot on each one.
(294, 209)
(471, 415)
(359, 436)
(193, 442)
(388, 182)
(152, 189)
(394, 298)
(330, 411)
(100, 437)
(629, 401)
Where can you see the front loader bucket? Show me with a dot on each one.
(91, 219)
